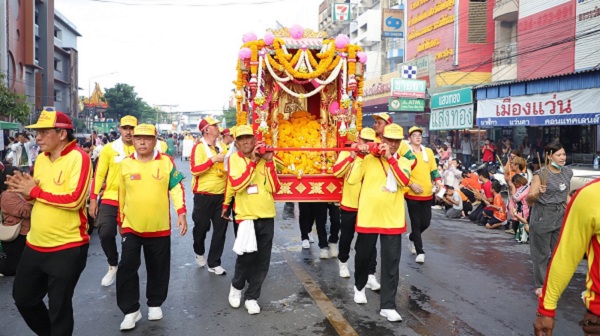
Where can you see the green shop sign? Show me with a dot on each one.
(406, 104)
(452, 98)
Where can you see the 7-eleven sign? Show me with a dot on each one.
(341, 12)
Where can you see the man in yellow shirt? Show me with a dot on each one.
(383, 119)
(146, 224)
(106, 181)
(349, 209)
(381, 214)
(208, 185)
(254, 179)
(57, 244)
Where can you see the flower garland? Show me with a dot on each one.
(359, 103)
(320, 69)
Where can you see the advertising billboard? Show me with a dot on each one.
(392, 22)
(587, 21)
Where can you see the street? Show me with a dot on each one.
(474, 282)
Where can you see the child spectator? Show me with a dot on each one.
(519, 188)
(454, 203)
(494, 214)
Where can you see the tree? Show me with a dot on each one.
(230, 117)
(123, 100)
(12, 105)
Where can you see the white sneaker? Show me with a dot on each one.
(154, 313)
(252, 307)
(305, 244)
(324, 253)
(200, 260)
(110, 276)
(344, 271)
(420, 258)
(217, 270)
(372, 283)
(235, 297)
(130, 320)
(310, 238)
(360, 296)
(333, 250)
(391, 315)
(411, 245)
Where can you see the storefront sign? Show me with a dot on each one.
(456, 117)
(452, 98)
(408, 88)
(575, 107)
(392, 22)
(407, 104)
(340, 12)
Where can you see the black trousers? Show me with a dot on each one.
(157, 255)
(467, 207)
(309, 214)
(207, 209)
(420, 219)
(477, 213)
(48, 273)
(12, 252)
(107, 231)
(231, 213)
(347, 234)
(391, 248)
(253, 267)
(470, 195)
(334, 222)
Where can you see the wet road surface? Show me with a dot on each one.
(474, 282)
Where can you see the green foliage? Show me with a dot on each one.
(12, 105)
(123, 100)
(230, 117)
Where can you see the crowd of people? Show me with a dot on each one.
(385, 176)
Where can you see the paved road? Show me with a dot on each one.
(474, 282)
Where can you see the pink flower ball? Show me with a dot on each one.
(362, 57)
(296, 31)
(245, 53)
(334, 108)
(248, 37)
(269, 38)
(341, 41)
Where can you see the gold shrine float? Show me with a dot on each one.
(302, 93)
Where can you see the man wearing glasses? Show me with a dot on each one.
(208, 185)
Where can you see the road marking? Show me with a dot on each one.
(334, 316)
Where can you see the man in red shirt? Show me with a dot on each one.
(488, 151)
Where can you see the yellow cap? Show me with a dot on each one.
(208, 121)
(386, 117)
(393, 131)
(415, 129)
(368, 133)
(52, 119)
(232, 130)
(144, 129)
(129, 120)
(243, 130)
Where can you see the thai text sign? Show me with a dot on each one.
(408, 88)
(340, 12)
(452, 98)
(392, 22)
(406, 104)
(575, 107)
(455, 117)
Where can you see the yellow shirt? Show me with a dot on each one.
(580, 234)
(59, 217)
(403, 150)
(350, 192)
(422, 174)
(379, 210)
(209, 177)
(107, 170)
(144, 189)
(254, 185)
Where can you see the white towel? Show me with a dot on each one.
(245, 242)
(392, 184)
(209, 153)
(423, 151)
(232, 150)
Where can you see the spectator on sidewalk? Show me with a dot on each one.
(517, 206)
(454, 203)
(488, 150)
(494, 214)
(467, 150)
(484, 196)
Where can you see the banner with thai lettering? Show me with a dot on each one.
(575, 107)
(451, 118)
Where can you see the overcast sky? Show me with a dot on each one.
(174, 52)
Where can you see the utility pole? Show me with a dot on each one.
(170, 107)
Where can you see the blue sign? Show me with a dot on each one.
(392, 22)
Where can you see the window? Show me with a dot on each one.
(477, 21)
(58, 96)
(57, 33)
(57, 65)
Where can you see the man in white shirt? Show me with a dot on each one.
(467, 151)
(453, 199)
(22, 153)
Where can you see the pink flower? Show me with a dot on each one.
(297, 31)
(334, 108)
(341, 41)
(269, 38)
(248, 37)
(245, 53)
(362, 57)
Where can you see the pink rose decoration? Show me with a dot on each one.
(341, 41)
(269, 38)
(362, 57)
(296, 31)
(245, 53)
(248, 37)
(334, 108)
